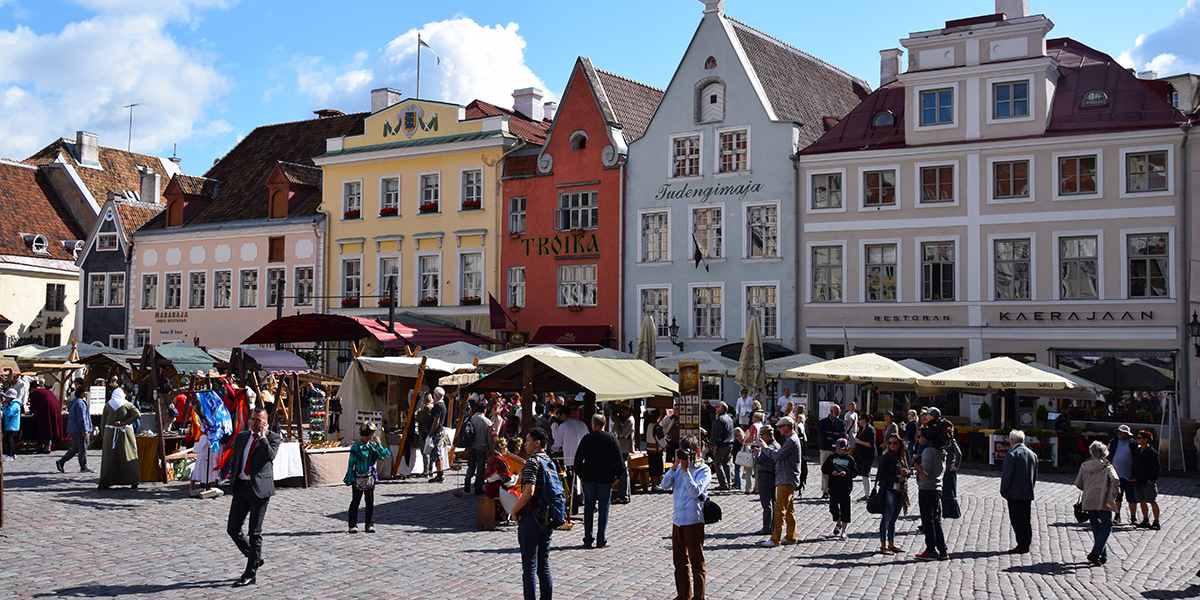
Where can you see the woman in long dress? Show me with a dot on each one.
(119, 458)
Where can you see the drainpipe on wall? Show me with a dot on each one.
(1185, 361)
(498, 222)
(800, 258)
(620, 259)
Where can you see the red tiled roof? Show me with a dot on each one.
(118, 174)
(30, 208)
(527, 129)
(1133, 103)
(301, 174)
(197, 186)
(240, 177)
(633, 103)
(134, 214)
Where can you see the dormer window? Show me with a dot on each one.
(106, 241)
(710, 102)
(1094, 99)
(883, 118)
(39, 245)
(76, 249)
(579, 140)
(278, 208)
(175, 213)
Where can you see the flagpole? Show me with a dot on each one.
(418, 65)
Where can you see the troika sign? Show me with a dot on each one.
(578, 244)
(1094, 315)
(672, 191)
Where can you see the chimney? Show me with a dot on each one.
(149, 188)
(1012, 9)
(1147, 75)
(889, 65)
(714, 6)
(528, 102)
(382, 98)
(87, 147)
(548, 110)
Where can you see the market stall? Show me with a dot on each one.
(162, 370)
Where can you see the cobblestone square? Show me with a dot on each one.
(65, 539)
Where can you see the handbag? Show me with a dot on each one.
(744, 458)
(1081, 516)
(712, 512)
(875, 500)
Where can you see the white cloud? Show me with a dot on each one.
(465, 61)
(82, 76)
(1170, 50)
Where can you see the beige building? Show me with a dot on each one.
(1006, 194)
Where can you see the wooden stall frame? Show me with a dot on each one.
(413, 396)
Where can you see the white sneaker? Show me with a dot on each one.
(836, 530)
(842, 535)
(767, 543)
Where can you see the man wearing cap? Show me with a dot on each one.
(787, 477)
(1121, 451)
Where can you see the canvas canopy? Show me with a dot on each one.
(1000, 373)
(186, 358)
(505, 358)
(609, 353)
(407, 366)
(459, 379)
(458, 352)
(608, 379)
(859, 368)
(711, 363)
(1084, 389)
(274, 361)
(355, 395)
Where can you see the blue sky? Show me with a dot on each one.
(208, 71)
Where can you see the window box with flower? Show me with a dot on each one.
(429, 207)
(428, 301)
(351, 214)
(472, 204)
(350, 302)
(384, 302)
(390, 211)
(471, 301)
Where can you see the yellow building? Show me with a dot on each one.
(413, 202)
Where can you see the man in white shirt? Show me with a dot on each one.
(566, 438)
(782, 402)
(851, 420)
(745, 408)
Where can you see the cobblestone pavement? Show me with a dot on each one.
(63, 538)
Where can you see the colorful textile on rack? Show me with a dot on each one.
(238, 405)
(217, 423)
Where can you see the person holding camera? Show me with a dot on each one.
(688, 481)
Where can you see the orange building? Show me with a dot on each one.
(560, 259)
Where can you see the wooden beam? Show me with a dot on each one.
(526, 397)
(158, 413)
(413, 395)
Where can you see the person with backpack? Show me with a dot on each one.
(688, 481)
(541, 508)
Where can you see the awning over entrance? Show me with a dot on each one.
(327, 328)
(569, 336)
(609, 379)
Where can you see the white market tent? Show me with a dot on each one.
(609, 353)
(711, 363)
(356, 394)
(505, 358)
(458, 352)
(608, 379)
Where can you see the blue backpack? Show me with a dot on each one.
(552, 504)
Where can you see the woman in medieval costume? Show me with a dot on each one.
(119, 457)
(46, 429)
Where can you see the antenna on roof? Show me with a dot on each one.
(129, 142)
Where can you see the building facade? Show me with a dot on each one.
(104, 271)
(1008, 194)
(560, 254)
(213, 266)
(710, 199)
(412, 204)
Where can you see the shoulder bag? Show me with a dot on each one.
(875, 500)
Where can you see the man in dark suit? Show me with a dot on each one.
(251, 469)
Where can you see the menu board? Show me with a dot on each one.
(95, 396)
(687, 408)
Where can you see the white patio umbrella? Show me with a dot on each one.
(711, 363)
(1084, 389)
(1000, 373)
(647, 340)
(859, 368)
(458, 352)
(503, 358)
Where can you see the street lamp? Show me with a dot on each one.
(673, 329)
(1193, 330)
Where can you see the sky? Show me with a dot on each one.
(204, 73)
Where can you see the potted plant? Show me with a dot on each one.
(428, 301)
(390, 211)
(351, 214)
(385, 302)
(472, 204)
(429, 206)
(350, 302)
(470, 301)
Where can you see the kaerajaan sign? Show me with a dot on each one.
(412, 118)
(577, 244)
(1054, 315)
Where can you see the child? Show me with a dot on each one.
(841, 469)
(361, 475)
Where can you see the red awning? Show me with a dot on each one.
(430, 336)
(572, 335)
(326, 328)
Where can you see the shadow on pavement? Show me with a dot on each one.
(427, 513)
(1046, 568)
(106, 591)
(1191, 591)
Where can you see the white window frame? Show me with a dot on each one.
(746, 285)
(808, 269)
(1171, 262)
(862, 269)
(341, 280)
(116, 241)
(510, 213)
(808, 189)
(1169, 149)
(345, 199)
(91, 279)
(990, 118)
(778, 231)
(296, 281)
(189, 289)
(462, 181)
(510, 301)
(1031, 237)
(441, 274)
(1054, 186)
(257, 289)
(1056, 287)
(641, 248)
(717, 152)
(166, 295)
(114, 337)
(383, 195)
(142, 292)
(421, 192)
(380, 282)
(691, 330)
(269, 289)
(592, 210)
(482, 274)
(991, 179)
(558, 284)
(107, 277)
(692, 208)
(954, 99)
(919, 271)
(233, 291)
(670, 307)
(137, 331)
(671, 156)
(955, 194)
(861, 188)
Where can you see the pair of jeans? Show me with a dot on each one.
(687, 554)
(785, 512)
(1019, 516)
(930, 504)
(535, 558)
(356, 496)
(78, 449)
(476, 462)
(891, 511)
(596, 493)
(721, 465)
(1101, 522)
(246, 504)
(766, 498)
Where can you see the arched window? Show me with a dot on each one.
(883, 118)
(710, 63)
(579, 140)
(710, 102)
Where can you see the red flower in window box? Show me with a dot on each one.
(575, 308)
(350, 302)
(389, 212)
(351, 214)
(472, 204)
(428, 301)
(471, 301)
(385, 302)
(429, 206)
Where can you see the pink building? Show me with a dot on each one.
(212, 266)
